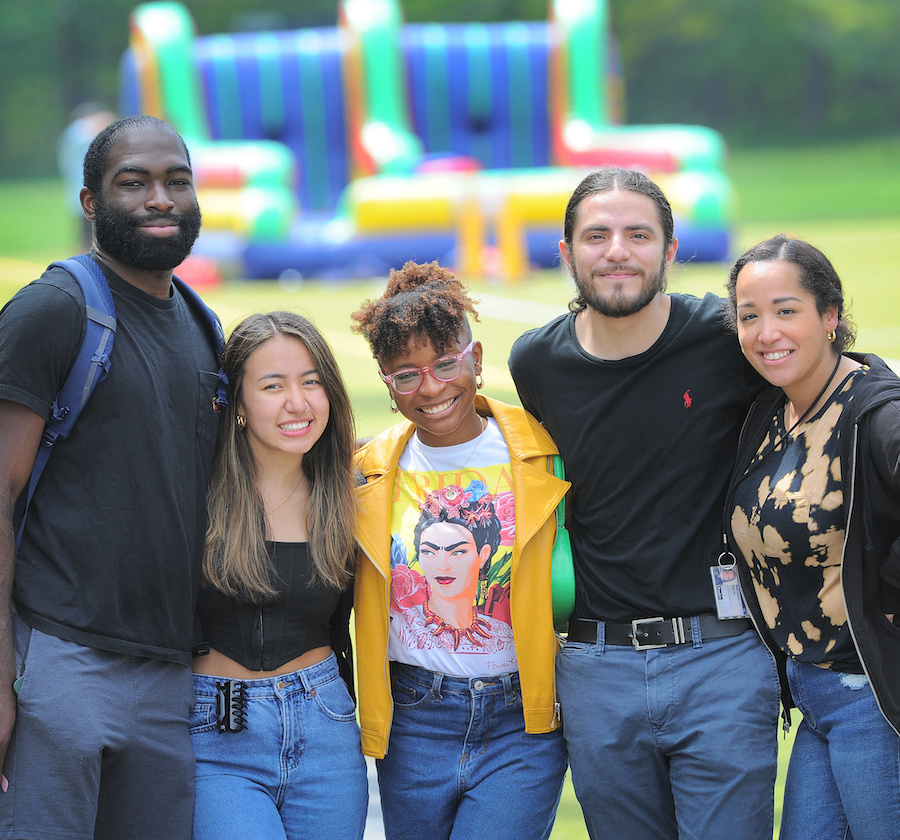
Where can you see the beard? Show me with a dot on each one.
(616, 304)
(119, 234)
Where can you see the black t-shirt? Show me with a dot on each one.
(262, 637)
(648, 444)
(110, 556)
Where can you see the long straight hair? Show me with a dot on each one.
(235, 559)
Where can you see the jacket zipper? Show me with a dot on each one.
(850, 511)
(726, 529)
(384, 664)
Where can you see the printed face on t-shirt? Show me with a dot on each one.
(450, 562)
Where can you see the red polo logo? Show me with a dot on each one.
(687, 398)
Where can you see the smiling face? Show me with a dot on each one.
(444, 412)
(282, 399)
(781, 331)
(146, 214)
(618, 257)
(451, 562)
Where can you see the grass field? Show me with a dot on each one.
(841, 198)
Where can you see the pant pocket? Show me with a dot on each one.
(22, 641)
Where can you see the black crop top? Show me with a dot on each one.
(262, 637)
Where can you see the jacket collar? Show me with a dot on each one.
(537, 490)
(526, 440)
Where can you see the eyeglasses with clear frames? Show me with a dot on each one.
(445, 369)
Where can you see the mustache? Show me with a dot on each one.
(165, 218)
(615, 269)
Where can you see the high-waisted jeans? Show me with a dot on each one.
(459, 763)
(296, 771)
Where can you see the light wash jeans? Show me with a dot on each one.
(844, 777)
(460, 764)
(676, 743)
(295, 772)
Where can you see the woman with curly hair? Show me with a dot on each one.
(274, 725)
(453, 604)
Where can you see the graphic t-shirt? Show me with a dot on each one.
(452, 528)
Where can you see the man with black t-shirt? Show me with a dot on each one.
(669, 699)
(103, 587)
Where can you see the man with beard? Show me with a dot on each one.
(669, 699)
(98, 640)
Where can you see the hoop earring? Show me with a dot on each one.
(393, 406)
(831, 336)
(241, 421)
(479, 382)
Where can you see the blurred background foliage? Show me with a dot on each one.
(763, 72)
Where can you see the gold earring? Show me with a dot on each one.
(831, 336)
(392, 406)
(479, 382)
(241, 421)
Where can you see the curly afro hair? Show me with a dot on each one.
(421, 302)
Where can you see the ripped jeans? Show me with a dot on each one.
(844, 776)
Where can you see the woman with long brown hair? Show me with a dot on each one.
(274, 726)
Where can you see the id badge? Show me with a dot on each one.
(727, 589)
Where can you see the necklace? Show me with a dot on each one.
(483, 423)
(288, 497)
(812, 405)
(432, 466)
(478, 628)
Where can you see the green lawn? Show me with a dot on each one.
(843, 199)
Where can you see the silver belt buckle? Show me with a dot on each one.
(634, 632)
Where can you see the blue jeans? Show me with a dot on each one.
(460, 765)
(297, 769)
(844, 777)
(676, 742)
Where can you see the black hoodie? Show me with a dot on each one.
(870, 566)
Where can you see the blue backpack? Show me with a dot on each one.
(92, 363)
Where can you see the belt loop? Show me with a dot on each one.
(695, 630)
(436, 686)
(601, 638)
(509, 690)
(308, 689)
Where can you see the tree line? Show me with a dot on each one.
(762, 72)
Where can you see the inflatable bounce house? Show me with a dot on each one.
(344, 151)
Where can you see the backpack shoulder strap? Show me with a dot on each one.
(90, 367)
(215, 332)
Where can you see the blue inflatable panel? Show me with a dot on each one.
(317, 253)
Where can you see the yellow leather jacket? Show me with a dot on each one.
(537, 493)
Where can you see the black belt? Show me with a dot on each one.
(648, 633)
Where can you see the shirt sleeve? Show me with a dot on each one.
(41, 329)
(524, 374)
(885, 455)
